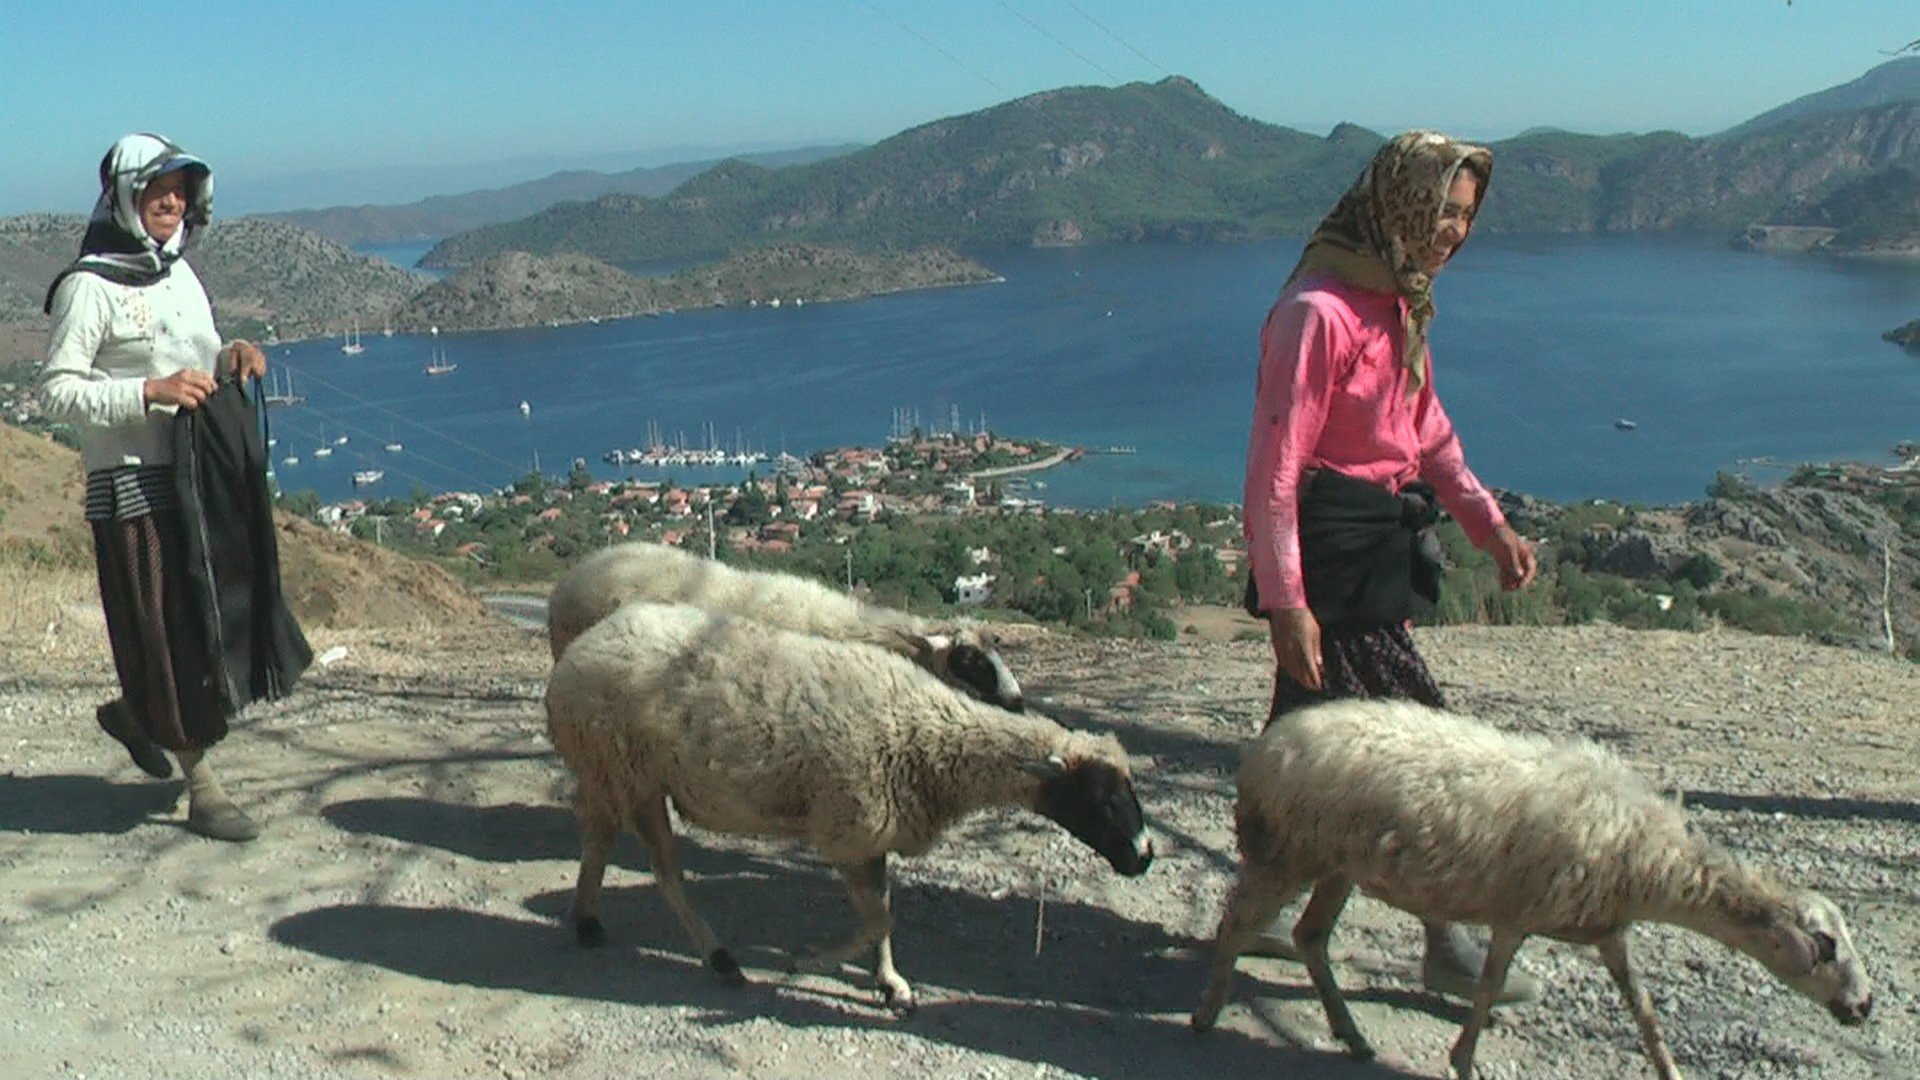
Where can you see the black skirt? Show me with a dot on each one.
(1361, 662)
(167, 679)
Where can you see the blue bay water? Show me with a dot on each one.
(1541, 344)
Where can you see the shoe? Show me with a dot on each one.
(113, 719)
(1454, 969)
(222, 821)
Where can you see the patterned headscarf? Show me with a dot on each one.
(1380, 234)
(116, 245)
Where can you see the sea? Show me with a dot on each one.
(1629, 368)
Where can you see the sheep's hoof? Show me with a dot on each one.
(589, 932)
(1360, 1051)
(899, 997)
(1202, 1020)
(727, 968)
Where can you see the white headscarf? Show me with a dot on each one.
(116, 245)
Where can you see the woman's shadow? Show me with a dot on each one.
(73, 805)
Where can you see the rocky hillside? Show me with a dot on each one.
(444, 215)
(259, 272)
(1167, 162)
(1798, 558)
(1892, 83)
(517, 289)
(329, 580)
(1083, 164)
(1908, 335)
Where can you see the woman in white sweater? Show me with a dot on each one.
(133, 342)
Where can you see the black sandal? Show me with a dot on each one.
(113, 719)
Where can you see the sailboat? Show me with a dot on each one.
(438, 364)
(526, 409)
(281, 395)
(352, 346)
(393, 443)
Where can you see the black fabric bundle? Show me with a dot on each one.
(232, 555)
(1368, 555)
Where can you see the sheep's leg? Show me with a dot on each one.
(650, 820)
(1613, 950)
(1310, 936)
(1257, 897)
(599, 828)
(1500, 953)
(868, 889)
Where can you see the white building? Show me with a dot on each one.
(973, 590)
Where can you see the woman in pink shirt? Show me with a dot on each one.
(1345, 393)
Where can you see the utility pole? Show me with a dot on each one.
(1089, 593)
(710, 539)
(849, 571)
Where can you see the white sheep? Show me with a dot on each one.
(964, 654)
(1446, 818)
(756, 730)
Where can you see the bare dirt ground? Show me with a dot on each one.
(403, 915)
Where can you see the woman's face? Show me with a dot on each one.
(163, 204)
(1456, 219)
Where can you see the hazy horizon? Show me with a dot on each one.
(389, 104)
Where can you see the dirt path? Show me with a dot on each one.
(402, 916)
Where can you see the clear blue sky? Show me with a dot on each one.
(346, 101)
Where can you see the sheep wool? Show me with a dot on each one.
(851, 749)
(962, 653)
(1449, 819)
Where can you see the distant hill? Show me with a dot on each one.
(445, 215)
(1079, 165)
(1892, 83)
(1166, 162)
(518, 289)
(257, 271)
(1878, 212)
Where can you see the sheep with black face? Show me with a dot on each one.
(849, 748)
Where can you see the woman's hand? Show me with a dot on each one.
(1296, 644)
(247, 359)
(1514, 556)
(185, 388)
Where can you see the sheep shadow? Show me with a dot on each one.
(1068, 952)
(75, 805)
(1830, 809)
(491, 952)
(511, 832)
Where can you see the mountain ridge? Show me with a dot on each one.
(1164, 161)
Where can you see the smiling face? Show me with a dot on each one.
(163, 205)
(1456, 220)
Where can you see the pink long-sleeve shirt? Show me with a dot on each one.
(1332, 392)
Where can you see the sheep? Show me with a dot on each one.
(855, 751)
(964, 654)
(1446, 818)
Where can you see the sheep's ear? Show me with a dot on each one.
(935, 644)
(1051, 767)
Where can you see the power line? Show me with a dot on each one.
(935, 46)
(1124, 43)
(1043, 31)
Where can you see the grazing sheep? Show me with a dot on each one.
(756, 730)
(964, 655)
(1446, 818)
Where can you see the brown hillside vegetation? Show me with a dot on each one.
(329, 580)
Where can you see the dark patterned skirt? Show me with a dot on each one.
(166, 677)
(1363, 662)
